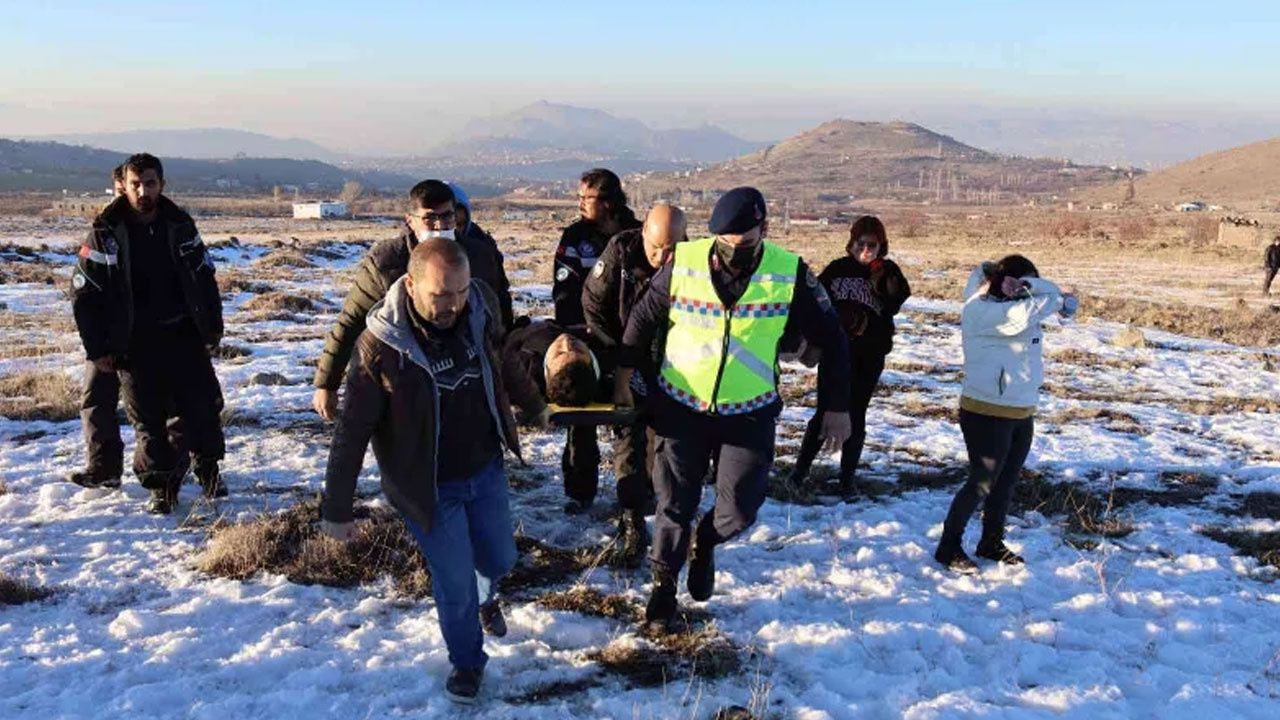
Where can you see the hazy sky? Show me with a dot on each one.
(400, 76)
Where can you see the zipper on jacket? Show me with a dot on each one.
(724, 358)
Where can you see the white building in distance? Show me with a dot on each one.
(320, 209)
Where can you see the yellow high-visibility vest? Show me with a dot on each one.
(721, 359)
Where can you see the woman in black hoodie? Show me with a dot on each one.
(867, 290)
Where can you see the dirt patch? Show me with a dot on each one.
(1114, 420)
(1086, 513)
(1259, 505)
(231, 351)
(553, 690)
(14, 591)
(51, 396)
(1084, 358)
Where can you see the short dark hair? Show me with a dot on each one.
(609, 186)
(429, 194)
(117, 173)
(574, 385)
(140, 163)
(868, 225)
(449, 252)
(1015, 266)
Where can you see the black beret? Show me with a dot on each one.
(737, 211)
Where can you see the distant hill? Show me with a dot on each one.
(843, 159)
(549, 132)
(1242, 178)
(47, 166)
(200, 144)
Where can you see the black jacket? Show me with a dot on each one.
(385, 262)
(811, 316)
(102, 289)
(866, 298)
(523, 354)
(392, 399)
(581, 245)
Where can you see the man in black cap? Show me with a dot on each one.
(728, 304)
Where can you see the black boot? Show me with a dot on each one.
(992, 547)
(210, 479)
(633, 537)
(492, 621)
(702, 563)
(93, 479)
(950, 554)
(661, 609)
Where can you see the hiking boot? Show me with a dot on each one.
(954, 558)
(162, 502)
(577, 507)
(661, 609)
(210, 479)
(94, 479)
(848, 487)
(998, 551)
(463, 685)
(702, 566)
(633, 537)
(492, 620)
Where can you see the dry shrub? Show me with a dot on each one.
(1114, 420)
(14, 591)
(36, 395)
(1067, 225)
(230, 351)
(290, 543)
(1201, 231)
(1260, 504)
(907, 224)
(25, 272)
(1136, 229)
(1076, 356)
(286, 257)
(1086, 513)
(232, 281)
(279, 302)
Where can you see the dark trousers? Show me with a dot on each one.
(1266, 280)
(865, 374)
(632, 464)
(101, 426)
(682, 454)
(98, 421)
(169, 372)
(997, 448)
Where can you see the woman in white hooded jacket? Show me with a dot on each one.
(1005, 303)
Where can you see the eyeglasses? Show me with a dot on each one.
(430, 217)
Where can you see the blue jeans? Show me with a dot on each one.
(472, 543)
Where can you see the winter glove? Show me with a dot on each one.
(1070, 304)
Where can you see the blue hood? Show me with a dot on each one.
(460, 197)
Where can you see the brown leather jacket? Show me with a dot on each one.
(391, 399)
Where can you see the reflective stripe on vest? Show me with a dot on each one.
(725, 360)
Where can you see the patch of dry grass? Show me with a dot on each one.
(285, 257)
(40, 395)
(279, 302)
(660, 658)
(1262, 546)
(589, 601)
(1240, 325)
(14, 591)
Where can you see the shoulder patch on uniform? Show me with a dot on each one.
(77, 280)
(562, 274)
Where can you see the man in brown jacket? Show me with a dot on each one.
(424, 378)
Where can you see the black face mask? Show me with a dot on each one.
(738, 257)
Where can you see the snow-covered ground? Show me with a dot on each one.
(837, 608)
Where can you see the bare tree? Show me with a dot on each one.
(352, 191)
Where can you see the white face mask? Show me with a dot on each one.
(428, 234)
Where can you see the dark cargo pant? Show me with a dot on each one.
(997, 447)
(170, 370)
(682, 454)
(101, 426)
